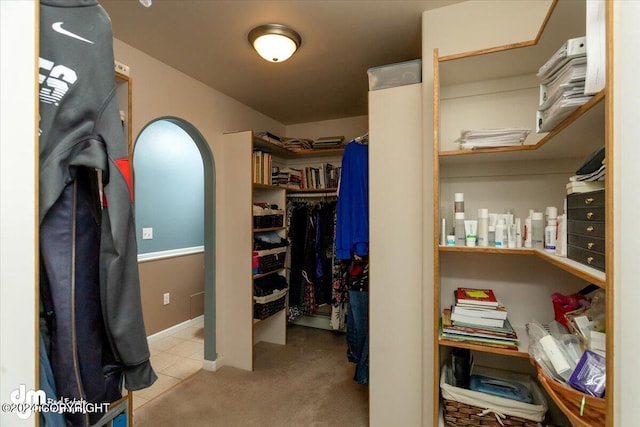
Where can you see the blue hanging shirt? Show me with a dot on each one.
(352, 216)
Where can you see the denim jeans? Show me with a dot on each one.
(358, 334)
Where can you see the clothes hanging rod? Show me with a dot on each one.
(310, 195)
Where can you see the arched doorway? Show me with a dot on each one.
(207, 232)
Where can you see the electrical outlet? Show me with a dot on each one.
(167, 298)
(147, 233)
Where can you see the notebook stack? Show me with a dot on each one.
(478, 318)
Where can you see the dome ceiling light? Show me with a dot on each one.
(274, 42)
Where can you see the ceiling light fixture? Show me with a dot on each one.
(274, 42)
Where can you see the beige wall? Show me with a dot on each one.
(349, 127)
(183, 278)
(160, 90)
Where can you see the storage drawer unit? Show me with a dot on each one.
(586, 239)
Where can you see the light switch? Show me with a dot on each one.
(147, 233)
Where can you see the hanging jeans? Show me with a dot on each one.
(358, 334)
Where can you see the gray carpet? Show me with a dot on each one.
(308, 382)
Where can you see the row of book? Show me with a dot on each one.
(478, 318)
(326, 175)
(262, 167)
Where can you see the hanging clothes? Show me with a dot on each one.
(89, 279)
(311, 231)
(352, 246)
(352, 227)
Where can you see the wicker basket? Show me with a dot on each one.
(270, 259)
(268, 220)
(264, 307)
(464, 407)
(570, 401)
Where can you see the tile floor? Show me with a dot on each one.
(173, 358)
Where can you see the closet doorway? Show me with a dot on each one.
(174, 173)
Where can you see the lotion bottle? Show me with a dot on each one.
(461, 237)
(501, 234)
(537, 230)
(483, 227)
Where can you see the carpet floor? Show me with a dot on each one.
(307, 382)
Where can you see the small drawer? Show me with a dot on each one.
(586, 228)
(589, 243)
(590, 258)
(586, 214)
(581, 200)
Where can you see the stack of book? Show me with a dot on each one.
(490, 138)
(562, 89)
(478, 318)
(328, 142)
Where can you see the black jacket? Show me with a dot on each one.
(80, 131)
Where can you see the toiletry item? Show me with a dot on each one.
(518, 233)
(491, 239)
(501, 234)
(443, 232)
(458, 202)
(461, 238)
(527, 232)
(537, 230)
(471, 231)
(561, 236)
(550, 235)
(483, 227)
(451, 240)
(511, 236)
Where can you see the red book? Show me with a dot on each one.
(484, 297)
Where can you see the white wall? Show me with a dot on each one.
(18, 218)
(396, 258)
(626, 128)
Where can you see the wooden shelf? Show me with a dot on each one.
(279, 151)
(568, 140)
(260, 230)
(577, 269)
(498, 87)
(257, 276)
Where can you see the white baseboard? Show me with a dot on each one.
(211, 365)
(175, 328)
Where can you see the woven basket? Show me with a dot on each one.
(460, 414)
(570, 401)
(270, 259)
(460, 404)
(264, 307)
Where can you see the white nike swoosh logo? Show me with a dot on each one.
(57, 27)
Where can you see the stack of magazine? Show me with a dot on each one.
(478, 318)
(562, 84)
(490, 138)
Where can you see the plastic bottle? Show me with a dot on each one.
(501, 234)
(461, 236)
(518, 233)
(483, 227)
(458, 202)
(537, 230)
(491, 239)
(551, 230)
